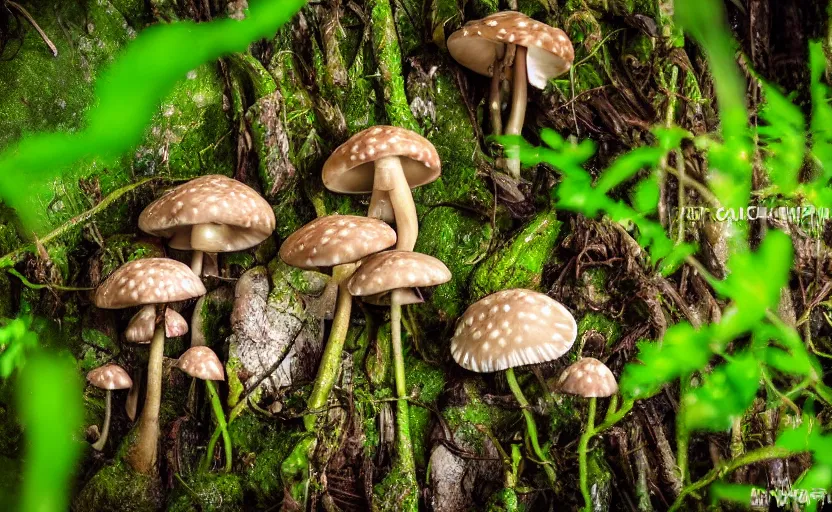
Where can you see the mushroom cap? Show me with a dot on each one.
(238, 217)
(393, 270)
(477, 44)
(148, 281)
(175, 324)
(512, 328)
(350, 169)
(141, 326)
(201, 363)
(110, 376)
(336, 239)
(588, 378)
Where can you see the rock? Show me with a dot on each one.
(264, 323)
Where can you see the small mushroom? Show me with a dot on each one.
(393, 276)
(588, 378)
(514, 328)
(141, 326)
(201, 362)
(138, 283)
(108, 377)
(210, 214)
(333, 244)
(387, 161)
(541, 52)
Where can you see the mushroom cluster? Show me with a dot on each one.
(207, 215)
(387, 162)
(512, 48)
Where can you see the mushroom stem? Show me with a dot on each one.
(196, 262)
(583, 444)
(223, 426)
(495, 99)
(105, 429)
(142, 456)
(132, 403)
(331, 358)
(405, 447)
(389, 176)
(531, 426)
(380, 207)
(519, 99)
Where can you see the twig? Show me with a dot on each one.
(759, 455)
(19, 8)
(40, 286)
(13, 257)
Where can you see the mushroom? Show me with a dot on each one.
(139, 283)
(141, 326)
(514, 328)
(333, 244)
(202, 363)
(387, 161)
(393, 275)
(588, 378)
(108, 377)
(210, 214)
(541, 53)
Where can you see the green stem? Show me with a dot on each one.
(105, 429)
(759, 455)
(331, 359)
(216, 405)
(142, 456)
(682, 433)
(531, 427)
(583, 445)
(404, 443)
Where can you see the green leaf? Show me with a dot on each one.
(646, 195)
(16, 340)
(783, 139)
(683, 351)
(724, 394)
(627, 165)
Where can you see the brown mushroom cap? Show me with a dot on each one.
(350, 169)
(477, 44)
(110, 376)
(393, 270)
(238, 216)
(201, 363)
(175, 324)
(148, 281)
(512, 328)
(141, 326)
(334, 240)
(588, 378)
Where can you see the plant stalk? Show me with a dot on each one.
(531, 426)
(142, 456)
(331, 359)
(105, 429)
(405, 446)
(583, 444)
(216, 405)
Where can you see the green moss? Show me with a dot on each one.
(593, 321)
(207, 492)
(600, 476)
(463, 419)
(396, 493)
(379, 358)
(519, 264)
(504, 500)
(97, 348)
(117, 487)
(389, 61)
(459, 240)
(424, 382)
(215, 312)
(236, 387)
(121, 249)
(7, 305)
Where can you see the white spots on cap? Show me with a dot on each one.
(392, 270)
(110, 377)
(139, 288)
(588, 378)
(336, 239)
(523, 333)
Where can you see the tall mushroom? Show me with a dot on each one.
(202, 363)
(138, 283)
(398, 273)
(333, 244)
(587, 378)
(514, 328)
(210, 214)
(387, 161)
(108, 377)
(541, 53)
